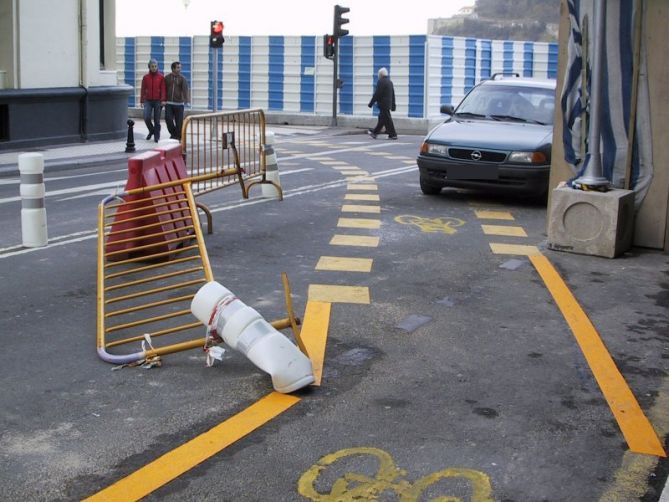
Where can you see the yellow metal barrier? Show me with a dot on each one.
(149, 273)
(212, 142)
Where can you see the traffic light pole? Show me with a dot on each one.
(215, 61)
(334, 85)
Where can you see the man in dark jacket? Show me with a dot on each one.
(152, 97)
(177, 97)
(384, 97)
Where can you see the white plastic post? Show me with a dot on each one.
(33, 211)
(245, 330)
(271, 168)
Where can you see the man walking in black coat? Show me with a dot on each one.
(384, 97)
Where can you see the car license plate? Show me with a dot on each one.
(480, 172)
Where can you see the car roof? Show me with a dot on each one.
(544, 83)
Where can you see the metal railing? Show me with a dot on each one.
(151, 262)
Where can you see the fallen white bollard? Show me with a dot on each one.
(244, 329)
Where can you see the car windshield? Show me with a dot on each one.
(514, 103)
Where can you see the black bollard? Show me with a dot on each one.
(130, 145)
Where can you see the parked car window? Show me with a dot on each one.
(509, 103)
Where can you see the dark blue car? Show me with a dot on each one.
(497, 139)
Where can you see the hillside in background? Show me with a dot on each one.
(535, 20)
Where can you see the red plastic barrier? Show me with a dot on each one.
(163, 211)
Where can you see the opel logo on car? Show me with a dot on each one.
(476, 155)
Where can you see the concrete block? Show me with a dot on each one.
(592, 223)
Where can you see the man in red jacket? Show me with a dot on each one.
(152, 97)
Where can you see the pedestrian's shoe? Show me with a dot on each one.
(392, 137)
(157, 138)
(371, 133)
(148, 136)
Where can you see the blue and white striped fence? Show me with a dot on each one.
(290, 75)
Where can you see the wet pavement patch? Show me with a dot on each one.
(512, 264)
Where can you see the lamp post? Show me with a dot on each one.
(592, 172)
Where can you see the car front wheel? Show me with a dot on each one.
(428, 188)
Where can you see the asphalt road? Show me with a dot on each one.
(460, 377)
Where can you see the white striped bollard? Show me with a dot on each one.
(33, 211)
(271, 168)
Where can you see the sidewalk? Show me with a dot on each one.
(69, 156)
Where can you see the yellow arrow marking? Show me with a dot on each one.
(636, 428)
(174, 463)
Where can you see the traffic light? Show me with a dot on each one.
(339, 21)
(329, 46)
(216, 37)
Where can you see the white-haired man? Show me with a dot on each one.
(384, 97)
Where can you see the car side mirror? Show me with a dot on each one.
(447, 109)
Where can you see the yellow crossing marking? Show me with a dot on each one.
(354, 240)
(354, 172)
(338, 294)
(174, 463)
(380, 154)
(445, 224)
(493, 215)
(359, 223)
(515, 249)
(344, 264)
(362, 196)
(362, 178)
(636, 428)
(504, 230)
(362, 186)
(314, 334)
(352, 208)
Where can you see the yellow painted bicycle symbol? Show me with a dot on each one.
(357, 487)
(446, 225)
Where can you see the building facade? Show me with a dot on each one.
(58, 82)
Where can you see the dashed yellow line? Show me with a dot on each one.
(514, 249)
(354, 172)
(493, 215)
(511, 231)
(344, 264)
(338, 294)
(180, 460)
(362, 186)
(362, 196)
(354, 240)
(359, 223)
(353, 208)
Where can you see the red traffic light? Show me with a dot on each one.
(216, 34)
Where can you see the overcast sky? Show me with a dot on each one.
(278, 17)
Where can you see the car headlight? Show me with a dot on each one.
(434, 149)
(528, 157)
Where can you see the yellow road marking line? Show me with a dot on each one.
(344, 264)
(398, 157)
(335, 163)
(174, 463)
(636, 428)
(338, 294)
(377, 153)
(342, 168)
(317, 158)
(314, 334)
(353, 208)
(359, 223)
(361, 186)
(362, 196)
(515, 249)
(354, 240)
(354, 172)
(493, 215)
(360, 178)
(511, 231)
